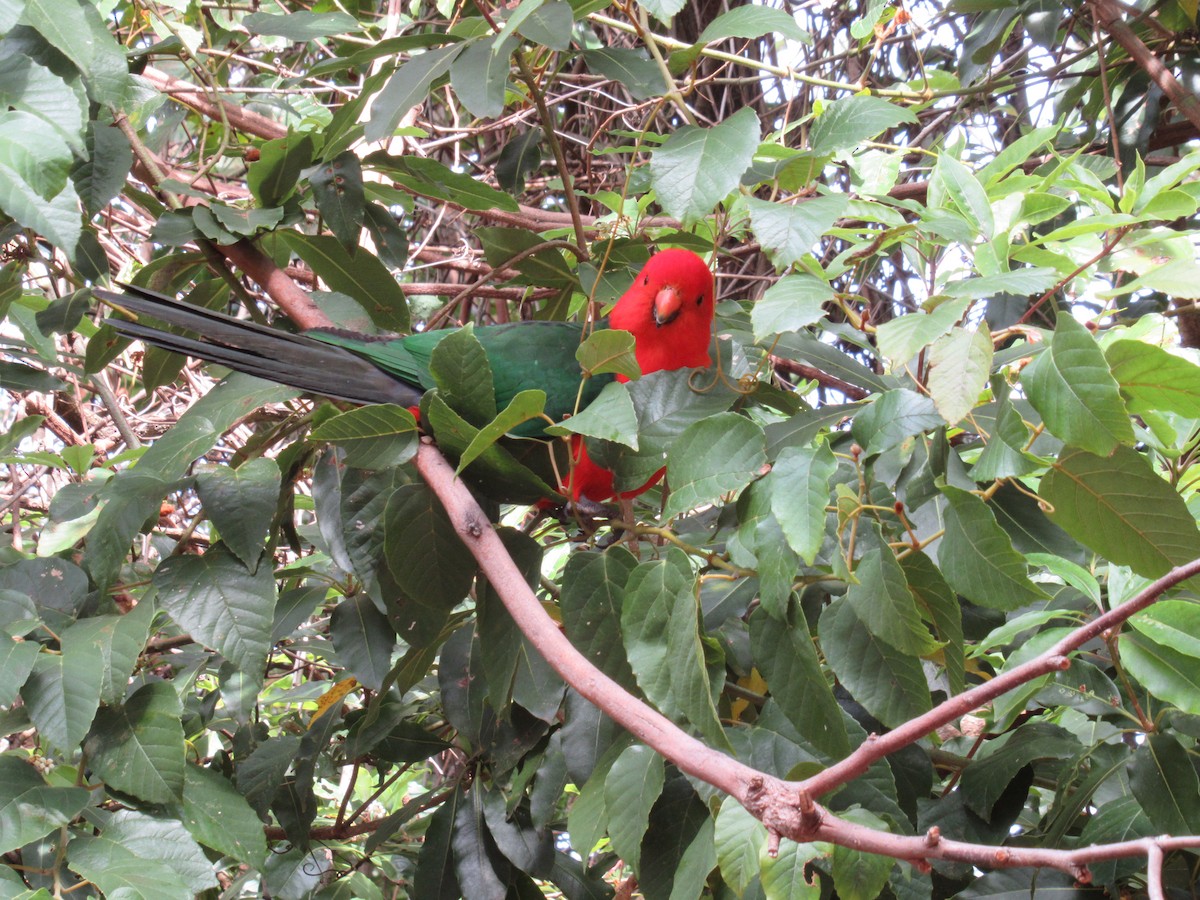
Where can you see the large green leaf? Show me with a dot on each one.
(959, 365)
(893, 419)
(712, 457)
(978, 558)
(844, 124)
(660, 622)
(1071, 386)
(241, 503)
(789, 232)
(138, 748)
(29, 808)
(696, 168)
(785, 655)
(221, 603)
(138, 857)
(882, 601)
(357, 274)
(630, 792)
(799, 485)
(1164, 781)
(363, 639)
(791, 303)
(78, 31)
(407, 87)
(593, 592)
(1167, 673)
(301, 26)
(218, 816)
(1155, 380)
(1118, 507)
(891, 685)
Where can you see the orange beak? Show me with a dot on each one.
(667, 304)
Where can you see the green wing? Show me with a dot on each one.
(523, 356)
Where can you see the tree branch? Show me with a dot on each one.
(787, 808)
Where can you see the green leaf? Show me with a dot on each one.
(739, 839)
(978, 559)
(712, 457)
(423, 550)
(374, 437)
(31, 148)
(137, 857)
(609, 350)
(791, 303)
(593, 592)
(663, 10)
(301, 26)
(220, 603)
(939, 605)
(217, 816)
(105, 649)
(610, 417)
(62, 693)
(434, 874)
(660, 622)
(525, 406)
(696, 168)
(1004, 453)
(857, 874)
(479, 76)
(959, 365)
(1169, 674)
(57, 219)
(1173, 623)
(519, 157)
(1120, 508)
(965, 192)
(752, 21)
(666, 405)
(1155, 380)
(637, 72)
(338, 190)
(680, 842)
(844, 124)
(550, 25)
(359, 275)
(241, 503)
(799, 485)
(29, 808)
(631, 788)
(363, 639)
(407, 87)
(138, 748)
(273, 177)
(789, 232)
(430, 178)
(892, 419)
(16, 662)
(473, 864)
(882, 601)
(28, 85)
(77, 30)
(463, 373)
(993, 769)
(902, 338)
(760, 536)
(1071, 386)
(786, 876)
(785, 655)
(891, 685)
(1164, 781)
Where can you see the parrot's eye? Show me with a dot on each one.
(646, 280)
(699, 299)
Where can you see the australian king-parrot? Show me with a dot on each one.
(668, 309)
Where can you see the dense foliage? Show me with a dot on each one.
(954, 421)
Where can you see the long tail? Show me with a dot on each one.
(292, 359)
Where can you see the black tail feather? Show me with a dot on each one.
(292, 359)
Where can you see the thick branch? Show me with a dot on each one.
(1053, 659)
(1108, 13)
(785, 808)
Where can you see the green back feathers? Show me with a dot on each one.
(523, 356)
